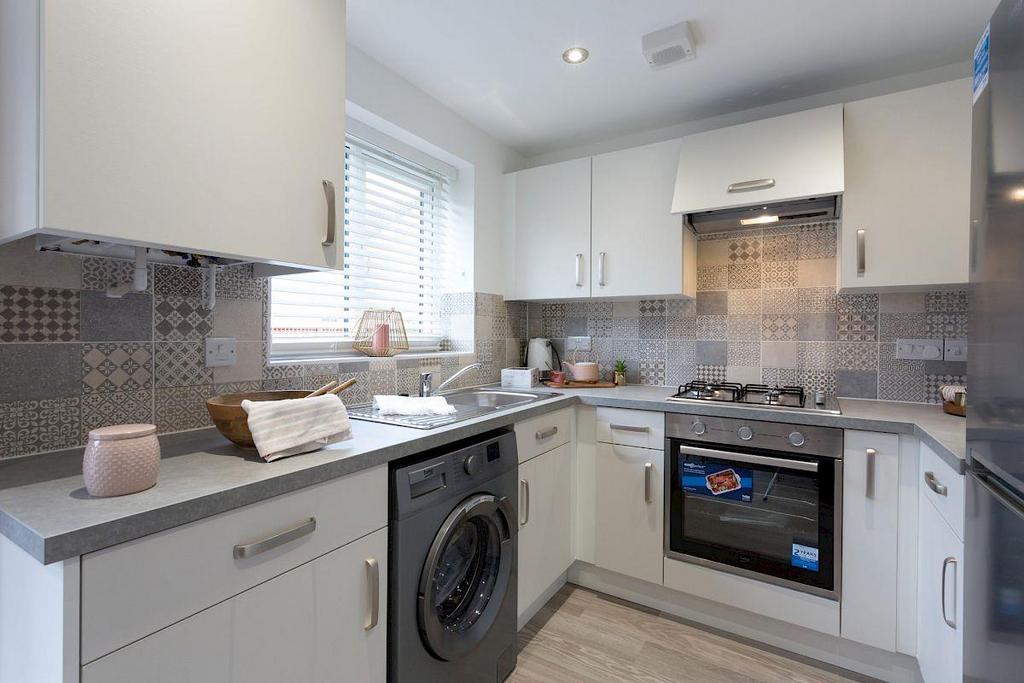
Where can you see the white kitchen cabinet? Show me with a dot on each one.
(908, 165)
(871, 475)
(312, 624)
(552, 231)
(545, 523)
(206, 127)
(940, 598)
(794, 156)
(629, 511)
(638, 246)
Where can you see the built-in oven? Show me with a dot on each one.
(758, 499)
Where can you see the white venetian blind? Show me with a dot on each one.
(395, 227)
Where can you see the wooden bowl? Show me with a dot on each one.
(231, 421)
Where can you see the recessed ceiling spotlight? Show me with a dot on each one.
(575, 55)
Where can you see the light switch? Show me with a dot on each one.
(220, 351)
(919, 349)
(577, 344)
(956, 349)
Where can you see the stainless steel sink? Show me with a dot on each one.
(468, 403)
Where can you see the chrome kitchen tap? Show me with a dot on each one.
(426, 378)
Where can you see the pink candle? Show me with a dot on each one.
(381, 340)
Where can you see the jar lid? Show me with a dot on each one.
(118, 432)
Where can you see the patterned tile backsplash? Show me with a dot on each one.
(767, 311)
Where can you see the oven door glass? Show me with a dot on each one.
(763, 512)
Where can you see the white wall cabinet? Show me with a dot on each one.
(311, 624)
(545, 523)
(221, 148)
(786, 157)
(628, 511)
(552, 231)
(638, 246)
(940, 598)
(908, 165)
(871, 475)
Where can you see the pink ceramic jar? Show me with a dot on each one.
(121, 459)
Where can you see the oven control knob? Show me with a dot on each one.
(471, 465)
(698, 427)
(745, 433)
(796, 439)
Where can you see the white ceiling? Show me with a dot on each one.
(498, 63)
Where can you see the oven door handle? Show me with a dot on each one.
(783, 463)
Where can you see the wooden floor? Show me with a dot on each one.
(585, 636)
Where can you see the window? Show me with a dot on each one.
(396, 223)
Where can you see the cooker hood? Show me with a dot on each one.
(766, 215)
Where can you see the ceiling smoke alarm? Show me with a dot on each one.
(668, 46)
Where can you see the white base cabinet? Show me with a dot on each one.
(203, 127)
(940, 597)
(545, 523)
(629, 511)
(323, 621)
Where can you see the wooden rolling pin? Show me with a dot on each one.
(342, 387)
(322, 390)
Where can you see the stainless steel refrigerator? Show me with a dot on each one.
(994, 531)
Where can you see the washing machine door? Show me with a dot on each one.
(466, 575)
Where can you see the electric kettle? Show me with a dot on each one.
(541, 354)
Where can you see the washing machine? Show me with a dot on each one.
(452, 563)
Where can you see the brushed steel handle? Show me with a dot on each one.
(870, 455)
(579, 270)
(860, 252)
(524, 502)
(934, 485)
(629, 428)
(331, 214)
(546, 433)
(373, 591)
(648, 483)
(946, 563)
(748, 185)
(304, 528)
(600, 269)
(783, 463)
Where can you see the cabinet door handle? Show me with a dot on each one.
(629, 428)
(860, 252)
(373, 591)
(748, 185)
(946, 563)
(331, 214)
(546, 433)
(934, 485)
(524, 502)
(600, 269)
(304, 528)
(870, 455)
(579, 270)
(648, 483)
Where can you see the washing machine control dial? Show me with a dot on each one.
(471, 464)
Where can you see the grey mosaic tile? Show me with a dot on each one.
(712, 327)
(814, 242)
(181, 319)
(709, 373)
(778, 274)
(713, 250)
(816, 327)
(813, 380)
(180, 408)
(856, 383)
(711, 352)
(282, 370)
(39, 425)
(745, 249)
(712, 277)
(652, 372)
(780, 247)
(38, 314)
(817, 300)
(947, 302)
(599, 327)
(238, 318)
(573, 327)
(681, 307)
(109, 367)
(780, 327)
(933, 384)
(238, 387)
(113, 408)
(626, 328)
(681, 327)
(780, 376)
(238, 282)
(22, 264)
(743, 327)
(893, 326)
(182, 281)
(600, 309)
(653, 308)
(816, 272)
(951, 325)
(857, 317)
(40, 371)
(774, 301)
(899, 380)
(742, 374)
(651, 349)
(652, 328)
(743, 302)
(713, 302)
(103, 273)
(780, 354)
(746, 354)
(857, 356)
(816, 356)
(745, 275)
(901, 302)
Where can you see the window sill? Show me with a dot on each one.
(416, 355)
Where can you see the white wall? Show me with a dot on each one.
(857, 92)
(383, 100)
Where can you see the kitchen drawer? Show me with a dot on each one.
(133, 589)
(540, 434)
(950, 502)
(638, 428)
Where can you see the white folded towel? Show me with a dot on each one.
(301, 425)
(412, 405)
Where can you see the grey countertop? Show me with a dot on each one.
(45, 509)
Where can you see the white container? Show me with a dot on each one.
(520, 378)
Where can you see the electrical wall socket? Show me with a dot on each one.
(955, 349)
(919, 349)
(577, 343)
(220, 351)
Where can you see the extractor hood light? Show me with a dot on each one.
(759, 220)
(575, 55)
(1017, 194)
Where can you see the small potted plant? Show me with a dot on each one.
(620, 373)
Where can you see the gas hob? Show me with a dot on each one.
(759, 395)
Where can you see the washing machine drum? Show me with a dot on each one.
(466, 575)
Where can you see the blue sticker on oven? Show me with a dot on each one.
(717, 479)
(804, 557)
